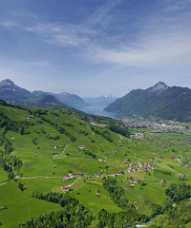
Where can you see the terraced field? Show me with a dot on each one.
(83, 157)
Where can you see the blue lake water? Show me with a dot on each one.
(97, 110)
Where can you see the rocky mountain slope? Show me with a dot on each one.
(159, 101)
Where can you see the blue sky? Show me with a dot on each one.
(95, 47)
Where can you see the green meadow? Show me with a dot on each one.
(61, 151)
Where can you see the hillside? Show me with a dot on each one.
(159, 101)
(12, 93)
(58, 164)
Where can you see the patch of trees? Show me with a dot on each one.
(119, 129)
(128, 218)
(56, 197)
(51, 121)
(23, 129)
(90, 154)
(70, 136)
(179, 215)
(39, 112)
(68, 124)
(13, 161)
(35, 141)
(53, 137)
(92, 118)
(83, 132)
(117, 193)
(176, 211)
(7, 146)
(9, 163)
(68, 217)
(61, 130)
(10, 125)
(12, 165)
(21, 186)
(178, 192)
(72, 215)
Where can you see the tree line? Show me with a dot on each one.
(72, 215)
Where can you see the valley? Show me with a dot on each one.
(93, 160)
(95, 114)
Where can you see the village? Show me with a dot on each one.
(157, 126)
(138, 167)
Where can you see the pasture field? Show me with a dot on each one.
(63, 152)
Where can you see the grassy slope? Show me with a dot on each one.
(20, 206)
(48, 155)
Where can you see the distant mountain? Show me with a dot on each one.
(45, 101)
(158, 88)
(13, 94)
(160, 101)
(67, 99)
(71, 100)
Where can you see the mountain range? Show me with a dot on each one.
(159, 101)
(13, 94)
(62, 168)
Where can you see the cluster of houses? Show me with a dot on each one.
(135, 167)
(132, 168)
(157, 126)
(68, 188)
(139, 167)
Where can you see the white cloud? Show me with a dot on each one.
(176, 5)
(154, 51)
(164, 39)
(82, 35)
(102, 15)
